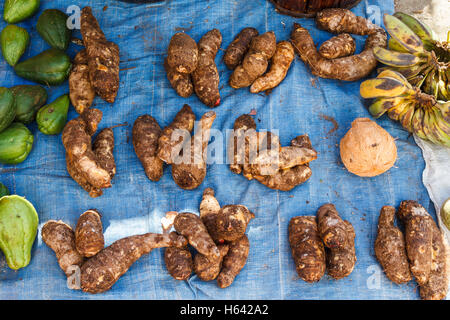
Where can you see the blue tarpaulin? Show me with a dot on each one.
(301, 104)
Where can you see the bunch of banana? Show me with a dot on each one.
(418, 112)
(415, 53)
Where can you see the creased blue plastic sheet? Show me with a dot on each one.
(134, 205)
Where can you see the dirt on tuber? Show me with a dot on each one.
(239, 47)
(89, 238)
(146, 133)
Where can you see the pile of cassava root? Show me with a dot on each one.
(260, 156)
(218, 236)
(421, 252)
(96, 68)
(324, 242)
(174, 146)
(81, 253)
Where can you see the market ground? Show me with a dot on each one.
(434, 13)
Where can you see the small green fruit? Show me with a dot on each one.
(52, 26)
(7, 108)
(29, 99)
(16, 143)
(14, 41)
(18, 228)
(18, 10)
(52, 118)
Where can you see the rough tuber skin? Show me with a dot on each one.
(82, 93)
(280, 64)
(342, 45)
(419, 239)
(242, 124)
(208, 269)
(191, 171)
(255, 62)
(182, 54)
(339, 238)
(146, 133)
(206, 77)
(287, 179)
(239, 47)
(60, 237)
(349, 68)
(103, 57)
(89, 238)
(307, 248)
(181, 82)
(234, 261)
(192, 227)
(99, 273)
(169, 144)
(232, 221)
(209, 209)
(104, 150)
(178, 262)
(427, 250)
(83, 164)
(390, 248)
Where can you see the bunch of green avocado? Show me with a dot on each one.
(18, 228)
(23, 104)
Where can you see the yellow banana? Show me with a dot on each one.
(403, 34)
(394, 75)
(406, 118)
(377, 88)
(396, 112)
(417, 122)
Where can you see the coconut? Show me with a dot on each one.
(367, 150)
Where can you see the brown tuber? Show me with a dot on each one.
(178, 262)
(99, 273)
(182, 54)
(342, 45)
(206, 77)
(103, 57)
(307, 248)
(239, 47)
(232, 221)
(192, 227)
(208, 269)
(234, 261)
(190, 171)
(255, 62)
(146, 133)
(367, 150)
(280, 64)
(85, 163)
(181, 82)
(349, 68)
(390, 248)
(82, 93)
(89, 238)
(339, 238)
(427, 250)
(60, 237)
(170, 141)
